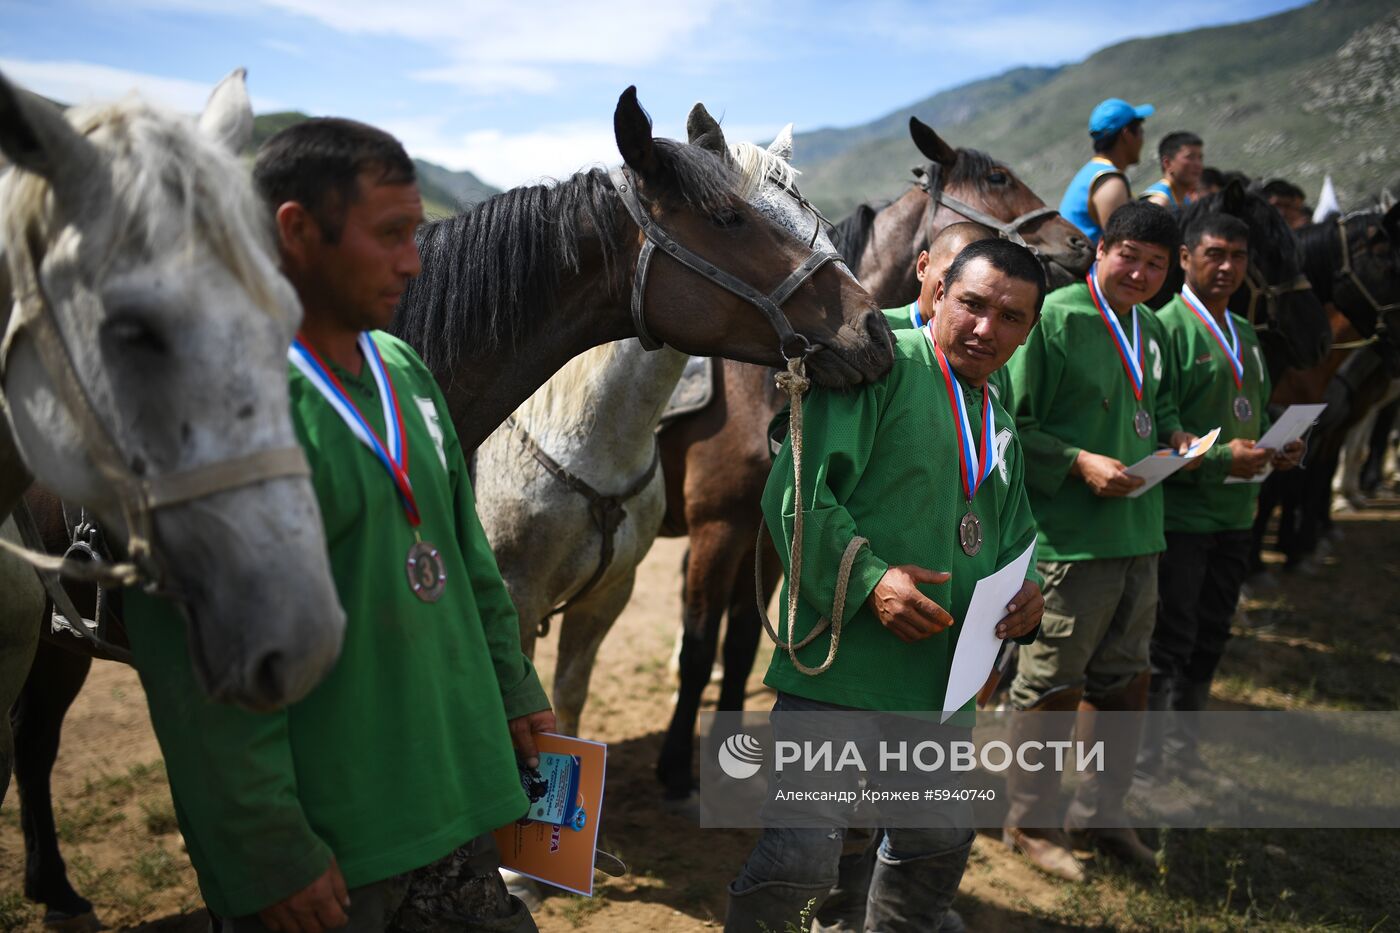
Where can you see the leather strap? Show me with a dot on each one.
(928, 180)
(792, 343)
(607, 512)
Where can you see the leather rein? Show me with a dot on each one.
(929, 177)
(140, 497)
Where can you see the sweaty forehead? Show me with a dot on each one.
(981, 279)
(1211, 241)
(1136, 249)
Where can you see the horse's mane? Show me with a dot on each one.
(852, 235)
(757, 167)
(162, 175)
(489, 271)
(565, 402)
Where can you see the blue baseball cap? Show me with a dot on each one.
(1112, 115)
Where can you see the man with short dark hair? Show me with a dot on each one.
(885, 462)
(369, 803)
(1101, 186)
(1092, 396)
(1179, 155)
(930, 268)
(1289, 200)
(1219, 378)
(1212, 180)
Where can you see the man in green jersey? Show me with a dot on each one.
(368, 804)
(882, 463)
(1220, 379)
(1092, 396)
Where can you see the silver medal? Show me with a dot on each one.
(970, 534)
(1243, 410)
(1142, 423)
(427, 576)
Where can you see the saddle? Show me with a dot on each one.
(694, 391)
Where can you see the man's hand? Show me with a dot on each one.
(1246, 459)
(319, 906)
(1181, 442)
(901, 608)
(522, 734)
(1104, 475)
(1290, 456)
(1022, 613)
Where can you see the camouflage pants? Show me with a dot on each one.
(462, 891)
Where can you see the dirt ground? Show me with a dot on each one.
(1327, 640)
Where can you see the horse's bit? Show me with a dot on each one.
(140, 497)
(792, 344)
(608, 512)
(929, 180)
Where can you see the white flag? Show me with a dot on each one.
(1327, 204)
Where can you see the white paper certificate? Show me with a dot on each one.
(1157, 466)
(1290, 426)
(978, 643)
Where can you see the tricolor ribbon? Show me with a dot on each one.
(915, 317)
(392, 452)
(1234, 351)
(1129, 353)
(974, 460)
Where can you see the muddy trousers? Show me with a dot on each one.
(462, 891)
(792, 871)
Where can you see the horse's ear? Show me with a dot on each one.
(782, 145)
(1233, 198)
(228, 117)
(931, 144)
(1386, 199)
(703, 130)
(632, 129)
(35, 136)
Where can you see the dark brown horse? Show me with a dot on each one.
(1353, 264)
(882, 242)
(716, 460)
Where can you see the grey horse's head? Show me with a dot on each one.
(141, 234)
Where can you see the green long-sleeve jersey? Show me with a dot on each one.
(1072, 394)
(881, 462)
(1199, 501)
(402, 753)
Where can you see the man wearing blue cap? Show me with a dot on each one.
(1101, 186)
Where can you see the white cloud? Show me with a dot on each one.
(74, 82)
(507, 159)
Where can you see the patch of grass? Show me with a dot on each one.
(82, 822)
(159, 817)
(16, 912)
(580, 908)
(157, 868)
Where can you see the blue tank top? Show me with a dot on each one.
(1074, 206)
(1164, 187)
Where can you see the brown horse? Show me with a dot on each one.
(716, 460)
(882, 243)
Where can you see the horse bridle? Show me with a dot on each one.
(1007, 230)
(140, 497)
(792, 344)
(1259, 288)
(1347, 271)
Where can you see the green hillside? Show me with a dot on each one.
(1298, 95)
(444, 191)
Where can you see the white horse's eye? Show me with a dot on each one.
(134, 331)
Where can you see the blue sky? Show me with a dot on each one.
(519, 90)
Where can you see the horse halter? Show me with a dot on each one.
(1259, 287)
(140, 497)
(1345, 270)
(792, 344)
(1006, 230)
